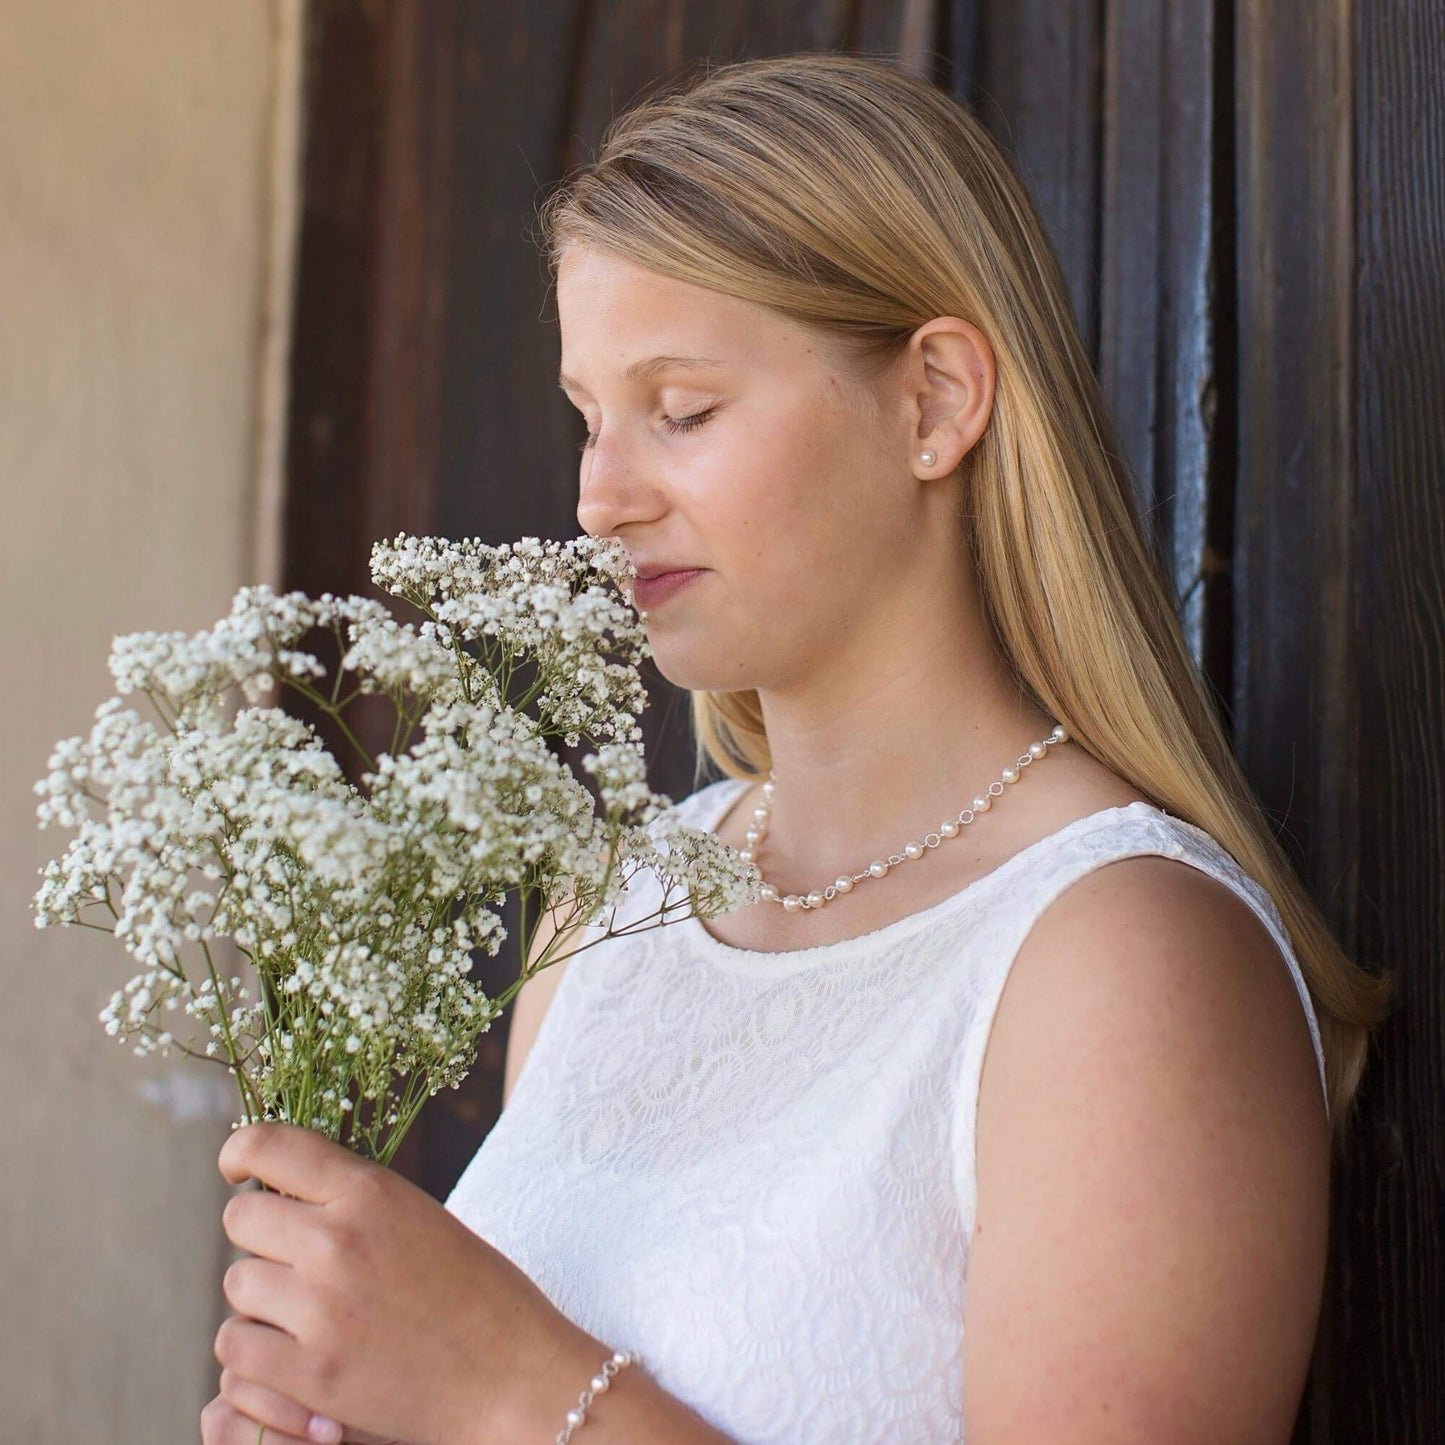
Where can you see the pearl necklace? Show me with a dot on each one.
(950, 828)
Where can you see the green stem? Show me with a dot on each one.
(325, 706)
(340, 653)
(176, 1044)
(242, 1082)
(406, 1117)
(99, 927)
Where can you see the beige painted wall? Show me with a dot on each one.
(144, 198)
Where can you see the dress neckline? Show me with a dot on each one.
(775, 963)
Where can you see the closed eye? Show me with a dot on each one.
(673, 424)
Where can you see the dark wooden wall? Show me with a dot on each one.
(1247, 201)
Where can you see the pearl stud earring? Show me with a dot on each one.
(927, 458)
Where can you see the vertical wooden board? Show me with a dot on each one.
(507, 467)
(332, 322)
(912, 32)
(1134, 231)
(409, 294)
(370, 299)
(634, 47)
(1294, 667)
(1388, 1362)
(1157, 303)
(371, 294)
(1294, 681)
(960, 47)
(1110, 116)
(1036, 85)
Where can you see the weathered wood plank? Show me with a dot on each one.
(1036, 85)
(1159, 307)
(1388, 1358)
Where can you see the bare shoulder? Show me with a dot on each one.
(1153, 1174)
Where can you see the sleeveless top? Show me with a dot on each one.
(756, 1169)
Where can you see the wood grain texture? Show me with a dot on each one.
(1036, 84)
(1160, 314)
(1295, 682)
(1387, 1355)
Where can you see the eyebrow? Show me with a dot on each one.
(650, 366)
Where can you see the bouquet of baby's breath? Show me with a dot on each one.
(359, 908)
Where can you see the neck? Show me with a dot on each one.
(864, 772)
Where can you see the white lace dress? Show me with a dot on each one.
(757, 1169)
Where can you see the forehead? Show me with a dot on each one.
(614, 314)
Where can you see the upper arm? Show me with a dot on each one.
(1152, 1174)
(533, 998)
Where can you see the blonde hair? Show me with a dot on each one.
(860, 201)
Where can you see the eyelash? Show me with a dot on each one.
(674, 425)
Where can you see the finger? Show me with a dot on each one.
(268, 1407)
(272, 1225)
(259, 1351)
(265, 1291)
(223, 1424)
(297, 1161)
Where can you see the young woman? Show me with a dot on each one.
(812, 1164)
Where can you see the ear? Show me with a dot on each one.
(949, 377)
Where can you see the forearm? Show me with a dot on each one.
(633, 1410)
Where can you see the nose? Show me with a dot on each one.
(610, 496)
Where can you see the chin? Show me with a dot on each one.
(682, 667)
(693, 678)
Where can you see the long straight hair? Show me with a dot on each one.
(858, 200)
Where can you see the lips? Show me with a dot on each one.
(650, 591)
(649, 570)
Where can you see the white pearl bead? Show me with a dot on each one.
(574, 1418)
(600, 1384)
(879, 868)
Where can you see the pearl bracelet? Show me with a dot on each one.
(600, 1381)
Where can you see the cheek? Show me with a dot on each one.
(786, 503)
(781, 474)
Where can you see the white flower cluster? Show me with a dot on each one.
(548, 602)
(360, 906)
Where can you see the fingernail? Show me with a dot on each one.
(323, 1430)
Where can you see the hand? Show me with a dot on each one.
(235, 1416)
(369, 1302)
